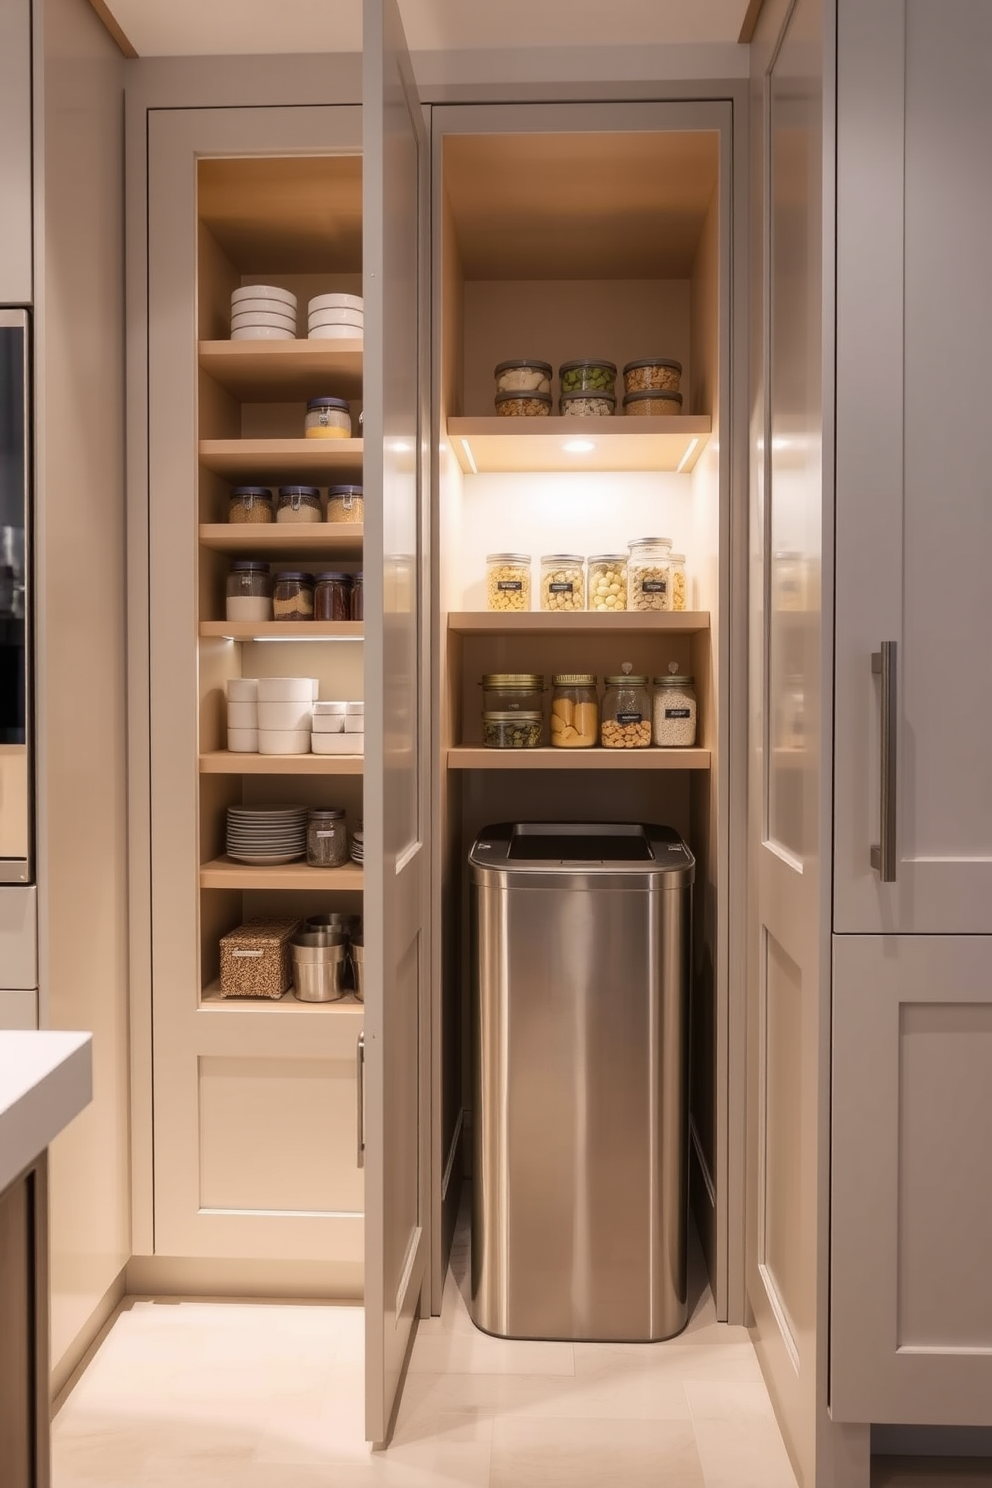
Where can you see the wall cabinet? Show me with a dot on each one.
(16, 161)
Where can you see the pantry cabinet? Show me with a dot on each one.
(16, 164)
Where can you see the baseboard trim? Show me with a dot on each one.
(66, 1371)
(282, 1280)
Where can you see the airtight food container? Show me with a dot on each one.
(523, 405)
(587, 405)
(652, 374)
(508, 581)
(299, 504)
(523, 377)
(512, 692)
(588, 375)
(286, 689)
(250, 504)
(328, 418)
(647, 405)
(511, 730)
(345, 504)
(249, 591)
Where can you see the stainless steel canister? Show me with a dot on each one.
(320, 960)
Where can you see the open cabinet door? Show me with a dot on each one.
(397, 852)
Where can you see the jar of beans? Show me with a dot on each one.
(648, 572)
(563, 584)
(625, 720)
(674, 711)
(292, 596)
(250, 504)
(332, 597)
(508, 581)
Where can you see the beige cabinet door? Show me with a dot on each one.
(914, 518)
(17, 238)
(397, 829)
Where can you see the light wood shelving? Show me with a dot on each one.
(345, 1007)
(225, 873)
(283, 630)
(332, 539)
(538, 444)
(223, 762)
(283, 461)
(578, 622)
(278, 371)
(470, 757)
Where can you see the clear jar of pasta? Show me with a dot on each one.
(508, 581)
(648, 573)
(563, 585)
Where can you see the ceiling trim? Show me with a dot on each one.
(113, 28)
(750, 21)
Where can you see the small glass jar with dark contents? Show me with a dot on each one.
(327, 838)
(332, 597)
(292, 596)
(358, 596)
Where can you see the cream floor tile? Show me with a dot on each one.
(743, 1454)
(594, 1454)
(731, 1362)
(477, 1353)
(718, 1400)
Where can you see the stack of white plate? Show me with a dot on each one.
(284, 714)
(260, 835)
(331, 731)
(358, 848)
(263, 312)
(242, 715)
(336, 317)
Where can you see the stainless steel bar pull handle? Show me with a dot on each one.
(883, 852)
(360, 1088)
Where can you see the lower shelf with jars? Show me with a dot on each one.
(467, 757)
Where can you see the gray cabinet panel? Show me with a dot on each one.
(16, 239)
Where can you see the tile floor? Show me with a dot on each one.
(188, 1394)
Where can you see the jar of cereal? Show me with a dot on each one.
(674, 712)
(607, 587)
(563, 582)
(508, 581)
(626, 716)
(677, 581)
(648, 570)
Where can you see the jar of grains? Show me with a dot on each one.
(648, 571)
(250, 504)
(511, 730)
(587, 405)
(523, 405)
(327, 418)
(563, 582)
(508, 581)
(332, 596)
(574, 711)
(292, 596)
(652, 374)
(327, 838)
(512, 692)
(523, 377)
(299, 504)
(607, 586)
(652, 404)
(674, 711)
(677, 581)
(249, 591)
(626, 716)
(345, 504)
(358, 597)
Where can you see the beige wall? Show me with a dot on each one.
(81, 645)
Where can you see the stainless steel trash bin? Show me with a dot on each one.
(580, 962)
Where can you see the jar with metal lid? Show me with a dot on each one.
(523, 405)
(626, 715)
(332, 596)
(574, 710)
(358, 596)
(607, 582)
(508, 581)
(589, 374)
(512, 692)
(345, 504)
(563, 584)
(327, 838)
(523, 377)
(515, 730)
(250, 504)
(652, 404)
(299, 504)
(327, 418)
(583, 404)
(292, 596)
(677, 587)
(652, 374)
(648, 571)
(249, 591)
(674, 710)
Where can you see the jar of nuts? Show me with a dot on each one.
(648, 571)
(563, 582)
(608, 581)
(652, 374)
(677, 581)
(508, 581)
(626, 716)
(523, 405)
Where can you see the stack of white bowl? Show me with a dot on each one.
(242, 715)
(336, 317)
(263, 312)
(338, 728)
(284, 714)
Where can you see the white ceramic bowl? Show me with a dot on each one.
(287, 715)
(242, 740)
(264, 307)
(355, 709)
(335, 333)
(242, 715)
(263, 318)
(336, 317)
(242, 690)
(337, 743)
(354, 724)
(284, 741)
(263, 292)
(335, 302)
(262, 333)
(328, 709)
(286, 689)
(328, 723)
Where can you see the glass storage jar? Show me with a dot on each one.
(674, 711)
(511, 730)
(652, 374)
(626, 717)
(250, 504)
(508, 581)
(345, 504)
(523, 377)
(327, 838)
(651, 404)
(607, 582)
(299, 504)
(332, 596)
(358, 597)
(574, 710)
(327, 418)
(523, 405)
(292, 596)
(587, 405)
(563, 582)
(677, 587)
(512, 692)
(648, 572)
(588, 375)
(249, 591)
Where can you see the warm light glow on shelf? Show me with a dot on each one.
(578, 446)
(470, 457)
(687, 456)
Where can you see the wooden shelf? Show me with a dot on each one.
(225, 873)
(620, 443)
(347, 1006)
(284, 461)
(283, 540)
(277, 371)
(223, 762)
(283, 630)
(469, 757)
(576, 622)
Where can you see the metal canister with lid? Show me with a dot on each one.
(574, 710)
(626, 717)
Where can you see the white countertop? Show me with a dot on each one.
(46, 1078)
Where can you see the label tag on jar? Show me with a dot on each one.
(560, 588)
(510, 584)
(678, 712)
(654, 586)
(629, 717)
(331, 832)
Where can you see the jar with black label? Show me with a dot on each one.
(563, 582)
(332, 597)
(249, 591)
(648, 574)
(327, 838)
(292, 596)
(508, 581)
(625, 721)
(674, 711)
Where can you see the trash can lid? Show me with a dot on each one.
(607, 850)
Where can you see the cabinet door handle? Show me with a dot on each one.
(360, 1096)
(883, 852)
